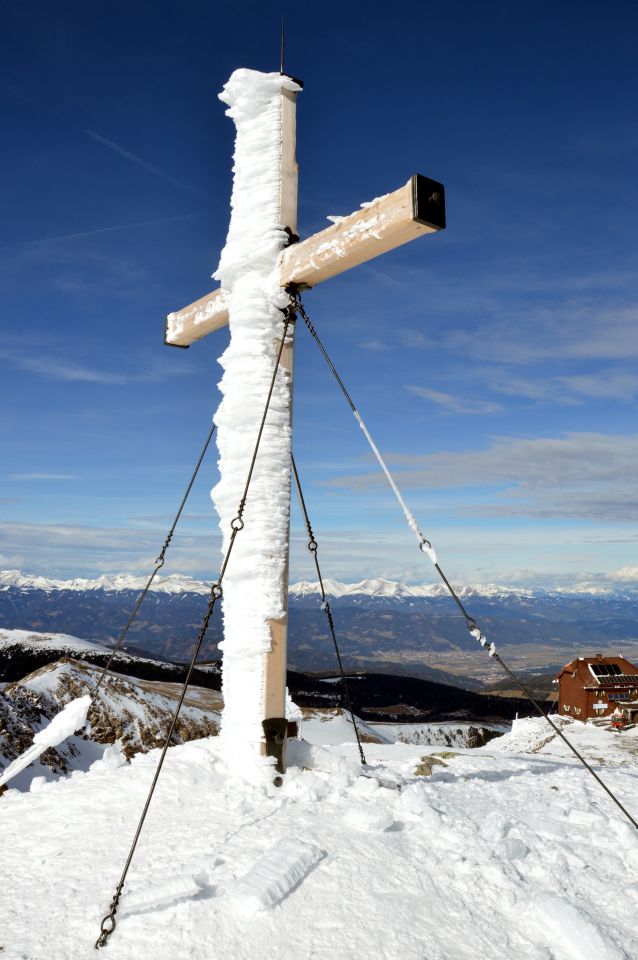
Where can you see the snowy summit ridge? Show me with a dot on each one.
(379, 587)
(178, 583)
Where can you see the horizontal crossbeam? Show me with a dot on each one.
(387, 222)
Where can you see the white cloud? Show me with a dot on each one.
(579, 475)
(54, 367)
(477, 554)
(608, 383)
(624, 575)
(453, 404)
(531, 316)
(64, 549)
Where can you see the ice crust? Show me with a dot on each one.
(256, 577)
(64, 724)
(274, 875)
(160, 895)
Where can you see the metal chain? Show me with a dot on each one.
(237, 525)
(159, 563)
(313, 546)
(427, 548)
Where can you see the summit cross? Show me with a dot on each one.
(262, 262)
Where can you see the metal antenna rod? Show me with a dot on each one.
(281, 64)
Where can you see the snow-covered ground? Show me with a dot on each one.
(60, 642)
(500, 854)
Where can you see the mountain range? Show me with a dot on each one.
(373, 587)
(381, 625)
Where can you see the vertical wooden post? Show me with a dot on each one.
(276, 659)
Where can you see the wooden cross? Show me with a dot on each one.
(415, 209)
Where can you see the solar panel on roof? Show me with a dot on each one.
(622, 680)
(606, 669)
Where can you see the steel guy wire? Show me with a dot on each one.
(108, 923)
(427, 548)
(313, 546)
(159, 563)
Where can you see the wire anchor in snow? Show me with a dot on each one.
(109, 922)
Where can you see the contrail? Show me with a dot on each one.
(16, 92)
(138, 160)
(119, 226)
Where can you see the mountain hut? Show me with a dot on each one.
(595, 686)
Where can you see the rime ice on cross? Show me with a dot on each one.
(257, 267)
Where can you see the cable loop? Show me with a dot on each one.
(105, 930)
(313, 546)
(237, 524)
(216, 591)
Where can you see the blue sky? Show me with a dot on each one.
(494, 363)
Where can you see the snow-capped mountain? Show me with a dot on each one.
(177, 584)
(381, 624)
(378, 587)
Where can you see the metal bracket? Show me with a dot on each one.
(428, 202)
(276, 732)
